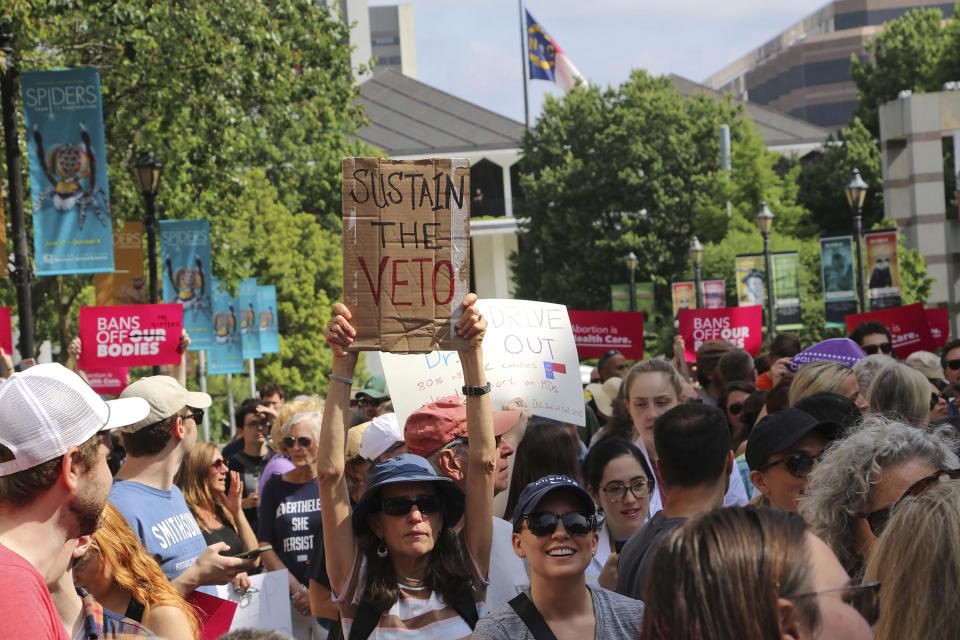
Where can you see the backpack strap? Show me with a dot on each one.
(467, 609)
(531, 617)
(364, 622)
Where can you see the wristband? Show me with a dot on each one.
(476, 391)
(347, 381)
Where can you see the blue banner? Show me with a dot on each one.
(249, 335)
(68, 171)
(267, 307)
(541, 51)
(185, 256)
(226, 352)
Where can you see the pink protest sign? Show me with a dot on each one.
(741, 326)
(6, 333)
(108, 381)
(908, 326)
(131, 335)
(596, 332)
(938, 319)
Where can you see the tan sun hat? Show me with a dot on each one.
(604, 394)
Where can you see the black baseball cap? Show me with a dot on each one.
(781, 430)
(537, 490)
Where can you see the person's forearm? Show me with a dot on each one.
(187, 582)
(330, 461)
(479, 412)
(245, 531)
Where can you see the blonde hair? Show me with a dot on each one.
(287, 411)
(135, 570)
(918, 555)
(192, 478)
(901, 392)
(653, 365)
(815, 377)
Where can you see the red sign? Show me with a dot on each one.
(130, 335)
(741, 326)
(6, 333)
(908, 326)
(108, 382)
(596, 332)
(938, 319)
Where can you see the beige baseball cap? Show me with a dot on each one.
(165, 397)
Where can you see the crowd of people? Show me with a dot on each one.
(793, 495)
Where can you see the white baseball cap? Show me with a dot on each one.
(383, 433)
(165, 397)
(47, 409)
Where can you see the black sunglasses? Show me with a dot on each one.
(953, 365)
(544, 523)
(935, 398)
(871, 349)
(877, 520)
(735, 408)
(373, 402)
(865, 598)
(303, 441)
(799, 465)
(426, 504)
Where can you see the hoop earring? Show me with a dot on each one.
(382, 551)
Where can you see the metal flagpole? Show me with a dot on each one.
(525, 56)
(233, 423)
(202, 375)
(253, 378)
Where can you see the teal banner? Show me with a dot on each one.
(226, 352)
(249, 329)
(839, 282)
(267, 308)
(185, 255)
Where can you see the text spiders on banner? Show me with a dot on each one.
(126, 284)
(528, 352)
(130, 335)
(185, 252)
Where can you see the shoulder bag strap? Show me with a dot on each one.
(532, 617)
(364, 622)
(467, 609)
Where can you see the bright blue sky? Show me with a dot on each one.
(471, 48)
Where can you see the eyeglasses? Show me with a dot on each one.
(195, 414)
(935, 399)
(877, 520)
(953, 365)
(798, 464)
(426, 504)
(218, 464)
(373, 402)
(257, 424)
(545, 523)
(617, 492)
(735, 408)
(865, 598)
(303, 441)
(872, 349)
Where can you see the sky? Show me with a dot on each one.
(471, 48)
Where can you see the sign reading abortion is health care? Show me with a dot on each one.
(741, 326)
(130, 335)
(596, 332)
(528, 352)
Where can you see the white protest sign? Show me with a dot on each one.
(265, 605)
(529, 352)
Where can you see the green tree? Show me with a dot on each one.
(250, 106)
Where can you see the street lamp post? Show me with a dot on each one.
(856, 191)
(147, 174)
(631, 261)
(696, 255)
(765, 223)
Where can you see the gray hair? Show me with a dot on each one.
(459, 446)
(310, 418)
(866, 369)
(900, 391)
(839, 487)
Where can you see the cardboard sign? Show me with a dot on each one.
(938, 319)
(528, 352)
(131, 335)
(741, 326)
(6, 331)
(265, 605)
(596, 332)
(908, 326)
(127, 284)
(108, 381)
(406, 251)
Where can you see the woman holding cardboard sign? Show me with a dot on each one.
(396, 564)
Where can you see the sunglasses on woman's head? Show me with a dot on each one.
(865, 598)
(545, 523)
(426, 504)
(877, 520)
(872, 349)
(799, 465)
(303, 441)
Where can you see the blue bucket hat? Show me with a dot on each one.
(537, 490)
(406, 468)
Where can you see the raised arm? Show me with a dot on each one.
(338, 539)
(482, 463)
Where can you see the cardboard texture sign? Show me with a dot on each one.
(406, 252)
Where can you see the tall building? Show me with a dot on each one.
(805, 71)
(393, 40)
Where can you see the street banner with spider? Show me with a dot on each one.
(130, 335)
(226, 351)
(185, 260)
(406, 251)
(68, 171)
(267, 314)
(127, 284)
(249, 334)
